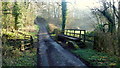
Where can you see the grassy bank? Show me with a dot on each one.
(97, 58)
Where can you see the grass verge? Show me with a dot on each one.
(97, 58)
(14, 57)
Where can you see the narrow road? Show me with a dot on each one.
(51, 53)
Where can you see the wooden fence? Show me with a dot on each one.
(80, 34)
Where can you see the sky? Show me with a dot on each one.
(82, 11)
(82, 4)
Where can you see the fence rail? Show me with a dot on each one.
(75, 33)
(80, 34)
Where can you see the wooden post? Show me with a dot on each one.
(84, 36)
(80, 34)
(66, 32)
(31, 40)
(74, 33)
(95, 43)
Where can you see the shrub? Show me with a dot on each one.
(106, 42)
(52, 27)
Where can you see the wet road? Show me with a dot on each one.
(51, 53)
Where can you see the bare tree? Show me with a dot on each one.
(109, 12)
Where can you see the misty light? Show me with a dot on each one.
(82, 4)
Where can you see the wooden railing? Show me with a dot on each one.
(25, 43)
(76, 33)
(79, 34)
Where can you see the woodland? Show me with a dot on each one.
(20, 32)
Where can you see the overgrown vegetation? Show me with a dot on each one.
(107, 30)
(12, 56)
(19, 34)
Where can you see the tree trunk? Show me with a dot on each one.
(16, 22)
(119, 28)
(64, 8)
